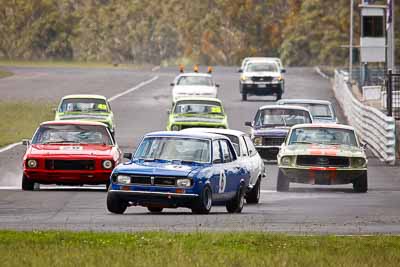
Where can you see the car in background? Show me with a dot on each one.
(194, 84)
(191, 112)
(322, 154)
(276, 59)
(248, 156)
(69, 153)
(322, 111)
(86, 107)
(271, 126)
(261, 78)
(180, 169)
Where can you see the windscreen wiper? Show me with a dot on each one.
(60, 142)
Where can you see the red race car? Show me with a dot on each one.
(70, 153)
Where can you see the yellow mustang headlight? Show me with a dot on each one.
(358, 162)
(287, 160)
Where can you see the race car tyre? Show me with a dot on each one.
(237, 203)
(115, 204)
(203, 203)
(155, 209)
(360, 185)
(282, 184)
(253, 197)
(26, 184)
(244, 97)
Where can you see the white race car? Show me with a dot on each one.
(247, 155)
(194, 85)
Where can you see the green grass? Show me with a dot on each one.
(4, 73)
(20, 119)
(194, 249)
(67, 64)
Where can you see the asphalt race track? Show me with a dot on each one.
(140, 108)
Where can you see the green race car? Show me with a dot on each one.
(197, 112)
(86, 107)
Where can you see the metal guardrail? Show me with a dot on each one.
(373, 126)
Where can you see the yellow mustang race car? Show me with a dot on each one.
(323, 154)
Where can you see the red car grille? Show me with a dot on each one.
(84, 165)
(323, 161)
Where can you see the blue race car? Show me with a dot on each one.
(180, 169)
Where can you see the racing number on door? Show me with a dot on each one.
(222, 182)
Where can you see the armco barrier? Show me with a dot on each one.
(373, 127)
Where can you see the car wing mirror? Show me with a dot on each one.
(168, 111)
(364, 145)
(26, 142)
(217, 85)
(240, 70)
(172, 84)
(283, 70)
(248, 123)
(127, 155)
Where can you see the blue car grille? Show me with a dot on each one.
(153, 180)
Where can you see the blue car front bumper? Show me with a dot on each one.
(155, 198)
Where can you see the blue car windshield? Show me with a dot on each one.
(174, 149)
(323, 136)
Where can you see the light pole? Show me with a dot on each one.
(351, 42)
(392, 37)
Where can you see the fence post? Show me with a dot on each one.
(389, 91)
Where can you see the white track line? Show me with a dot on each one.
(4, 149)
(268, 191)
(323, 75)
(140, 85)
(156, 68)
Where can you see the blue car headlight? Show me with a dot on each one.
(123, 179)
(183, 182)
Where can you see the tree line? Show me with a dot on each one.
(302, 32)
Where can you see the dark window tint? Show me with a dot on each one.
(373, 26)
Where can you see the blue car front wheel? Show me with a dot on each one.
(203, 203)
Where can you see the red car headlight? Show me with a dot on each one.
(107, 164)
(32, 163)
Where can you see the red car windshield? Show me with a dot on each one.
(74, 134)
